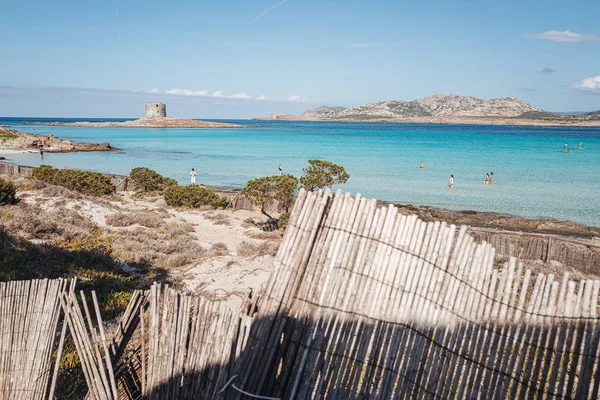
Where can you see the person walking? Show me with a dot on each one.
(280, 170)
(193, 175)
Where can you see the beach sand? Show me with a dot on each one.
(232, 255)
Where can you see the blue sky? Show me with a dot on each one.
(246, 58)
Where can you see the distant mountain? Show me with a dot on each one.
(594, 115)
(439, 105)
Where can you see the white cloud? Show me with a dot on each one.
(564, 36)
(544, 70)
(240, 96)
(262, 97)
(187, 92)
(296, 97)
(262, 14)
(155, 90)
(588, 85)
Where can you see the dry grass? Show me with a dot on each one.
(219, 249)
(157, 247)
(248, 249)
(175, 229)
(218, 219)
(59, 191)
(32, 222)
(253, 222)
(149, 220)
(262, 235)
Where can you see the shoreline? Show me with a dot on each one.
(155, 122)
(481, 219)
(494, 121)
(12, 140)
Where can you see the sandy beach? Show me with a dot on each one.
(225, 255)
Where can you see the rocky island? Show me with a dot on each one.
(11, 139)
(156, 117)
(446, 109)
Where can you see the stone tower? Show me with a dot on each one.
(156, 110)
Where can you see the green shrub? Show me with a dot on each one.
(150, 180)
(221, 202)
(188, 196)
(283, 220)
(92, 183)
(8, 193)
(321, 174)
(263, 191)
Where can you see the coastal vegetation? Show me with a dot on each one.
(193, 197)
(266, 190)
(4, 134)
(149, 180)
(321, 174)
(86, 182)
(8, 192)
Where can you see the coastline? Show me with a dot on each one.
(502, 121)
(155, 122)
(12, 140)
(480, 219)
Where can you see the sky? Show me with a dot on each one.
(249, 58)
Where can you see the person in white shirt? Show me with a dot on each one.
(193, 175)
(280, 170)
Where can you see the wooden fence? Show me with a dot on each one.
(29, 315)
(367, 303)
(362, 303)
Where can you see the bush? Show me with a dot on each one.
(283, 220)
(150, 180)
(8, 193)
(149, 220)
(193, 197)
(321, 174)
(263, 191)
(91, 183)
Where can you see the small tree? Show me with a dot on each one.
(263, 191)
(321, 174)
(8, 193)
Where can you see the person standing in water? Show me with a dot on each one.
(193, 175)
(422, 165)
(491, 177)
(280, 170)
(566, 148)
(451, 181)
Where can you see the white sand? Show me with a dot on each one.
(228, 278)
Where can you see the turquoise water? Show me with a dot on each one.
(533, 178)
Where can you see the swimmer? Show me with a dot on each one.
(491, 177)
(566, 148)
(487, 181)
(451, 181)
(422, 165)
(580, 147)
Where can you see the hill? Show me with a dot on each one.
(439, 105)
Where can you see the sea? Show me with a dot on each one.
(533, 178)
